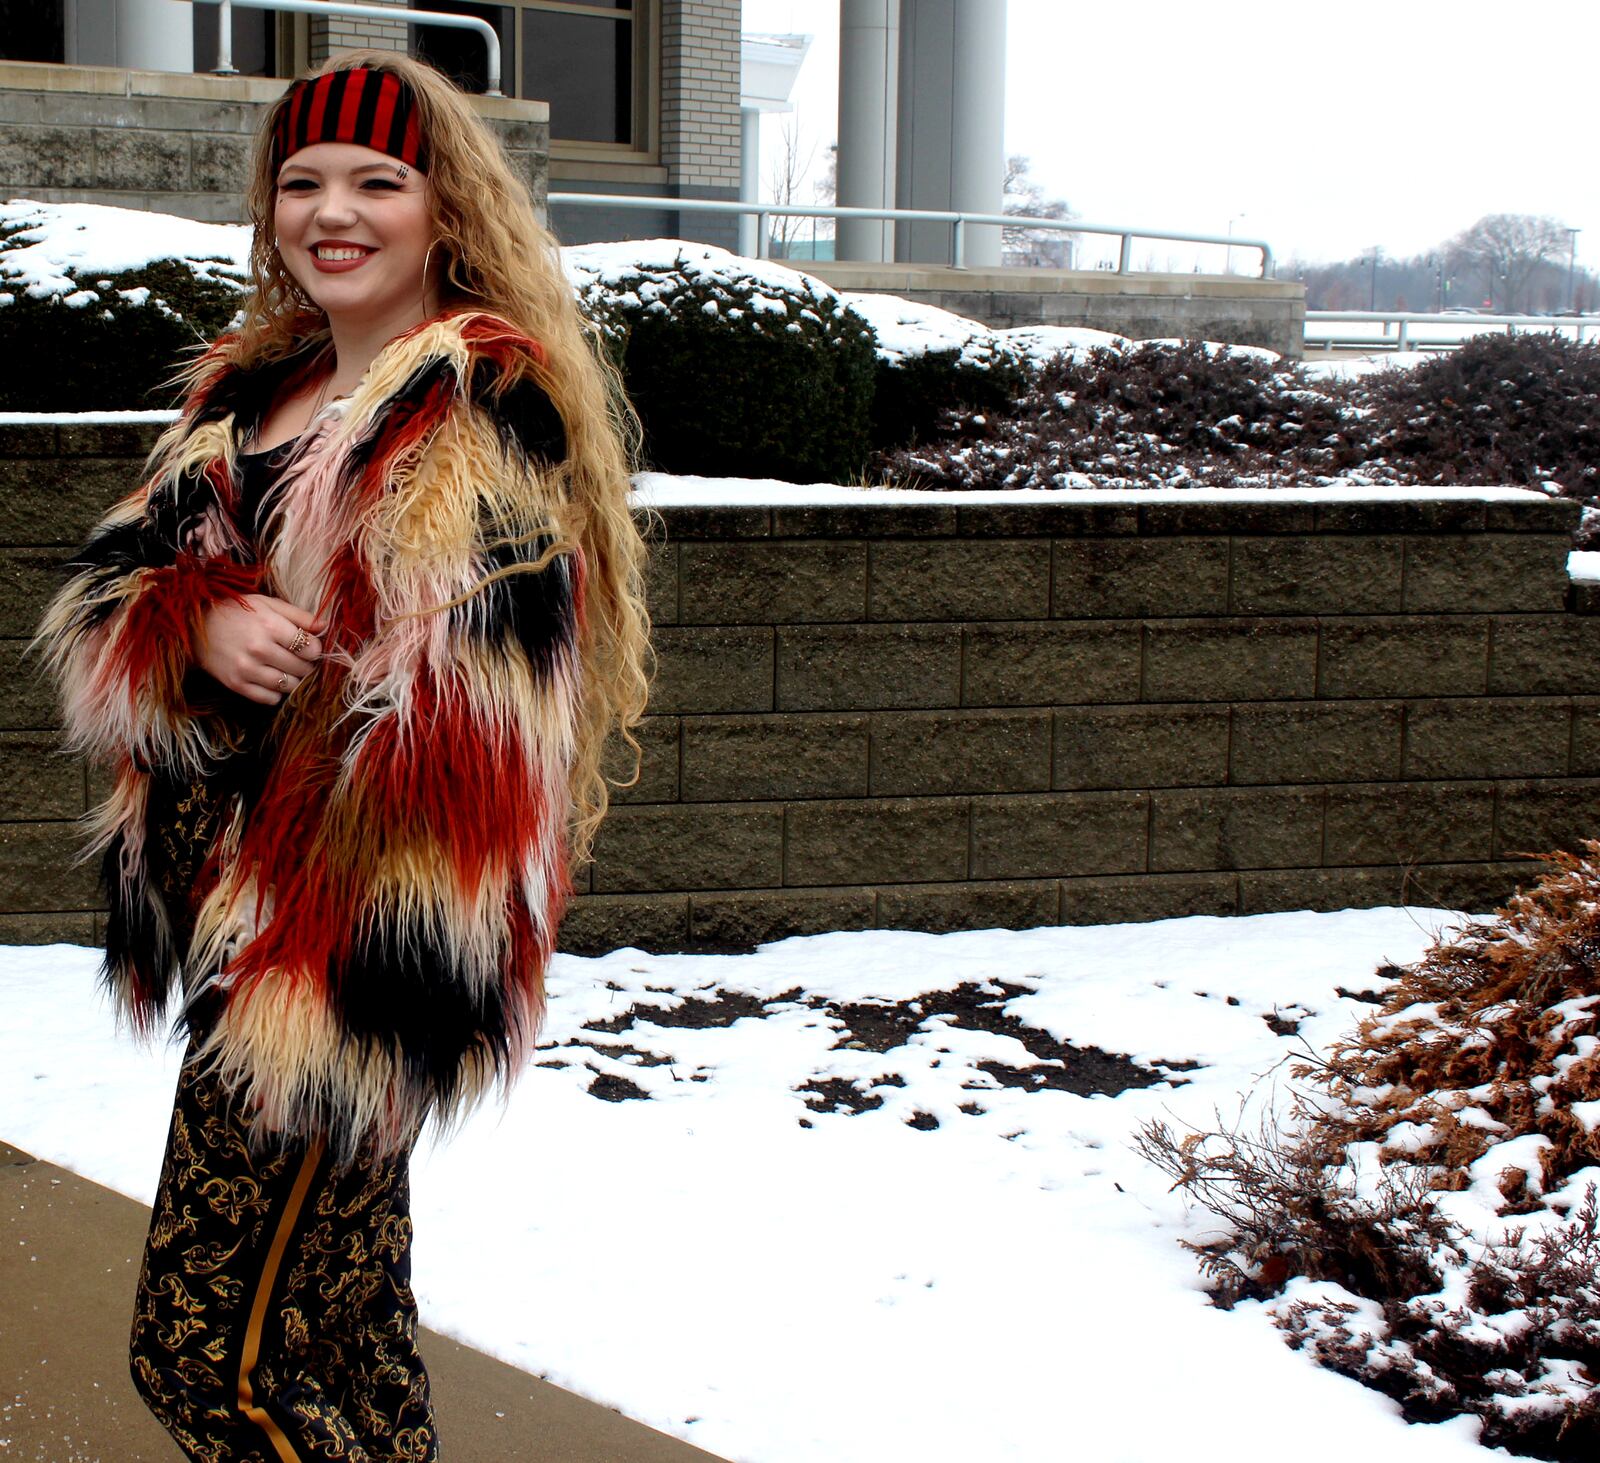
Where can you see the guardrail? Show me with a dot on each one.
(1458, 326)
(959, 222)
(225, 66)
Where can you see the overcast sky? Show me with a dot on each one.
(1325, 128)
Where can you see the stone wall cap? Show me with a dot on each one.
(857, 275)
(120, 81)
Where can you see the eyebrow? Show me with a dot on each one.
(317, 172)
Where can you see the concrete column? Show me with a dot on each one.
(155, 35)
(749, 176)
(869, 80)
(951, 138)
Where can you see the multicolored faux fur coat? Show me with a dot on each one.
(382, 858)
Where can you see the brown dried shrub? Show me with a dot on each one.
(1493, 1036)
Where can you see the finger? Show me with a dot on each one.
(301, 619)
(276, 657)
(261, 695)
(279, 683)
(305, 647)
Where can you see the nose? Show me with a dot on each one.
(336, 206)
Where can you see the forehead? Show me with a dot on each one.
(339, 157)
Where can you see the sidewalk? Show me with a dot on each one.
(69, 1254)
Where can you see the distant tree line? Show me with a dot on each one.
(1506, 263)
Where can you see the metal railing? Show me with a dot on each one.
(225, 67)
(959, 222)
(1463, 325)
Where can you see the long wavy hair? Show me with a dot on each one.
(494, 253)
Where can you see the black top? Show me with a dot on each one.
(258, 474)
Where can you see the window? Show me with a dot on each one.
(582, 64)
(255, 40)
(585, 59)
(32, 30)
(461, 54)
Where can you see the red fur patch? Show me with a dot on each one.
(443, 778)
(159, 636)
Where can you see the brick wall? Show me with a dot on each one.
(349, 33)
(944, 716)
(700, 94)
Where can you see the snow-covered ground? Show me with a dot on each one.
(975, 1269)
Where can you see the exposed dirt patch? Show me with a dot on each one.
(702, 1013)
(611, 1088)
(883, 1026)
(835, 1094)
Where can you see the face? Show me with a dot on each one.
(353, 227)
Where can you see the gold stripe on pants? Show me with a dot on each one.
(274, 1321)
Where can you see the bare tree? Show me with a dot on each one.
(789, 170)
(1040, 248)
(1507, 250)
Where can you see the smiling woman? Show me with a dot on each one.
(351, 653)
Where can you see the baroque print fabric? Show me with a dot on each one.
(274, 1320)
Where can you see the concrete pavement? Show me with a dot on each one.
(69, 1259)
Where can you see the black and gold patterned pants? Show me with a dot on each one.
(274, 1321)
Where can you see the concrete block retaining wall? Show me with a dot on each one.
(951, 715)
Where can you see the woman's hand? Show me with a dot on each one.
(246, 646)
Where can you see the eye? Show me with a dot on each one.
(382, 185)
(296, 185)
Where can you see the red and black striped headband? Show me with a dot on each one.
(372, 108)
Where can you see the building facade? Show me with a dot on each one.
(116, 101)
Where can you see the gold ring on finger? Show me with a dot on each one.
(283, 680)
(298, 643)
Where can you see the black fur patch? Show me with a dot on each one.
(524, 418)
(407, 995)
(136, 940)
(536, 610)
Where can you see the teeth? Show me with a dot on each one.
(324, 252)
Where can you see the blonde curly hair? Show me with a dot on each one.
(496, 254)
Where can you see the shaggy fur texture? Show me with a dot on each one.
(383, 866)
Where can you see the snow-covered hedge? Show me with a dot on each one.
(930, 361)
(734, 365)
(98, 305)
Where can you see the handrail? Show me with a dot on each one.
(763, 211)
(225, 67)
(1405, 319)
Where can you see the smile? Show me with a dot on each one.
(340, 256)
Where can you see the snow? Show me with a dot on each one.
(1004, 1285)
(649, 268)
(1584, 564)
(84, 418)
(1040, 342)
(56, 249)
(1348, 368)
(663, 490)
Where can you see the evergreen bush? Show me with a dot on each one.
(97, 340)
(736, 368)
(932, 364)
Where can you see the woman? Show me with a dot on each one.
(352, 651)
